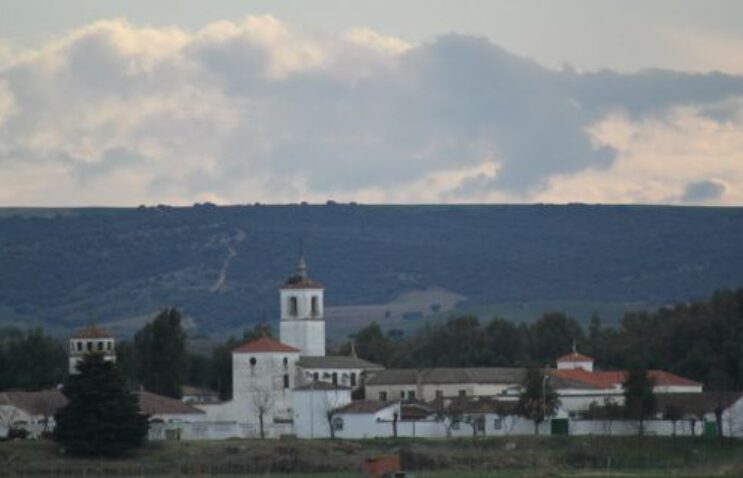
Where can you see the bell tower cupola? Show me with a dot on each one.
(302, 312)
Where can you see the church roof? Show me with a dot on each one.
(575, 357)
(264, 344)
(300, 280)
(336, 362)
(92, 332)
(297, 282)
(400, 376)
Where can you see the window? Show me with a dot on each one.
(497, 424)
(402, 394)
(337, 423)
(110, 345)
(79, 346)
(480, 423)
(382, 396)
(293, 308)
(411, 394)
(100, 346)
(315, 306)
(455, 426)
(315, 376)
(90, 346)
(335, 378)
(286, 380)
(353, 379)
(439, 394)
(253, 361)
(286, 363)
(463, 393)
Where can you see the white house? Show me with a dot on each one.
(30, 411)
(448, 383)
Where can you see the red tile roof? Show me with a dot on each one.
(92, 332)
(575, 357)
(264, 344)
(614, 378)
(301, 283)
(153, 404)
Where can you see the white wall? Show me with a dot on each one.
(308, 335)
(251, 382)
(310, 411)
(732, 420)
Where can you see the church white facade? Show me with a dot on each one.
(266, 372)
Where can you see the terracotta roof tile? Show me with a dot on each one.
(615, 378)
(264, 344)
(364, 406)
(92, 332)
(153, 404)
(297, 282)
(45, 402)
(575, 357)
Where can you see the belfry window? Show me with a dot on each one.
(315, 306)
(293, 309)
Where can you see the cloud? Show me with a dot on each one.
(703, 191)
(257, 110)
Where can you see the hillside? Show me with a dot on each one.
(221, 265)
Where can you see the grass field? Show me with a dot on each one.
(508, 458)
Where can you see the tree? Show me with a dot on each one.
(639, 399)
(552, 335)
(538, 400)
(101, 418)
(161, 353)
(263, 401)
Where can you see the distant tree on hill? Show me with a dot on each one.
(372, 344)
(161, 354)
(538, 400)
(102, 418)
(639, 399)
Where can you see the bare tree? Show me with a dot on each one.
(331, 405)
(263, 402)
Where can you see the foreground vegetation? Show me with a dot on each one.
(506, 457)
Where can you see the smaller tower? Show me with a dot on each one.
(91, 339)
(302, 313)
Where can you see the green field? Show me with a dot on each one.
(511, 457)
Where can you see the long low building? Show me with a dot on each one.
(434, 383)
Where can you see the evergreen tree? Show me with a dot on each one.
(161, 353)
(538, 400)
(639, 399)
(102, 418)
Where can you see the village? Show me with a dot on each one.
(290, 387)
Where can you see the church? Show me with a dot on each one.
(266, 372)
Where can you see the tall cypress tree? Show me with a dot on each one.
(102, 418)
(161, 354)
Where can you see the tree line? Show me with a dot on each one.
(700, 340)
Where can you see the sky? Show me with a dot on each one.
(110, 103)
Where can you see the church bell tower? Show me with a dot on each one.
(302, 313)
